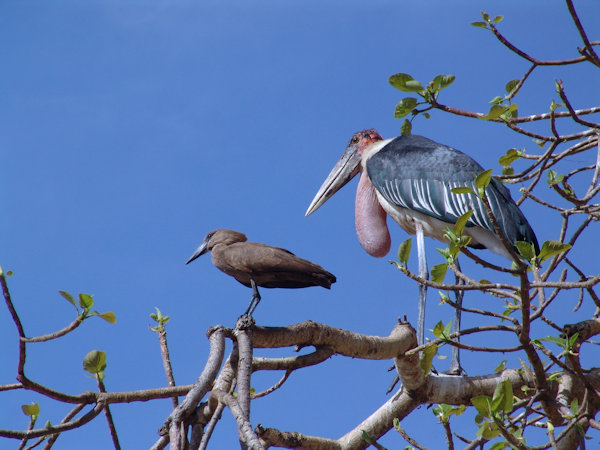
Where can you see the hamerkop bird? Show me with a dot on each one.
(254, 264)
(411, 178)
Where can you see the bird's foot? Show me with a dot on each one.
(244, 322)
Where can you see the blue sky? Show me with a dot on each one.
(128, 130)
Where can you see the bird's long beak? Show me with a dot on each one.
(201, 250)
(344, 170)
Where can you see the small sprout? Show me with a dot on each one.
(438, 272)
(427, 358)
(498, 19)
(32, 410)
(442, 331)
(482, 181)
(479, 24)
(510, 86)
(500, 366)
(553, 178)
(95, 363)
(159, 319)
(404, 251)
(510, 112)
(86, 301)
(369, 439)
(443, 412)
(553, 106)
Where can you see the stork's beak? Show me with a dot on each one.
(201, 250)
(344, 170)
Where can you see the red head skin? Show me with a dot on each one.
(369, 216)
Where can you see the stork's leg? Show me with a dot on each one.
(455, 367)
(255, 300)
(423, 273)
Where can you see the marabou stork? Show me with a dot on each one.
(254, 264)
(410, 178)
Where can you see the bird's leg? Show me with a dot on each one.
(255, 300)
(455, 367)
(423, 273)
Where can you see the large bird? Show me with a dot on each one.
(254, 264)
(410, 178)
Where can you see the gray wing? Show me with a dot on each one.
(417, 173)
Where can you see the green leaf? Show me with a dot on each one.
(414, 86)
(404, 251)
(488, 431)
(500, 445)
(479, 24)
(406, 127)
(367, 437)
(482, 180)
(109, 317)
(511, 85)
(462, 190)
(501, 366)
(510, 157)
(448, 329)
(438, 272)
(459, 226)
(405, 83)
(552, 248)
(526, 250)
(508, 171)
(553, 178)
(438, 330)
(555, 340)
(482, 405)
(574, 405)
(86, 301)
(94, 362)
(404, 107)
(485, 16)
(494, 112)
(510, 112)
(443, 81)
(427, 358)
(498, 19)
(497, 100)
(507, 403)
(68, 297)
(32, 410)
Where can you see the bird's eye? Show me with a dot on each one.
(354, 140)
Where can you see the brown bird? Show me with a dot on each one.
(254, 264)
